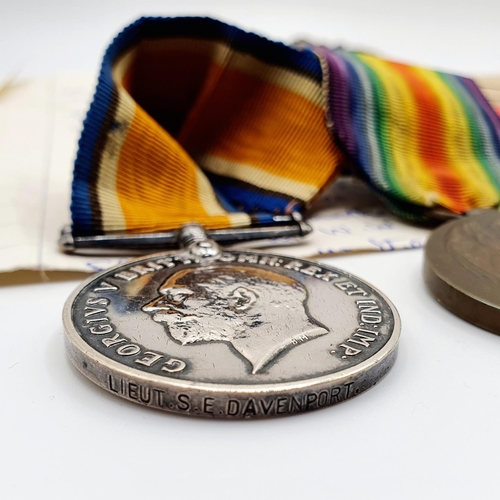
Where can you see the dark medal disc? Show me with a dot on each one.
(231, 335)
(462, 268)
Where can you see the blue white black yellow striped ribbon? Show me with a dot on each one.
(196, 120)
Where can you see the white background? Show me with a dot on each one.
(430, 430)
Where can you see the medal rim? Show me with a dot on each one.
(75, 343)
(465, 304)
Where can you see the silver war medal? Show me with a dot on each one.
(229, 334)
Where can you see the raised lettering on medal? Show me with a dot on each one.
(241, 335)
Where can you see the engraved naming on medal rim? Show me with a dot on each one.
(238, 335)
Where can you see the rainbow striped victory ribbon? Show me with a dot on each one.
(196, 120)
(420, 138)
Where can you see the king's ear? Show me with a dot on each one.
(242, 298)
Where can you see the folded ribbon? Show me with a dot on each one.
(196, 120)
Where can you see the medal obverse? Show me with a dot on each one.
(232, 335)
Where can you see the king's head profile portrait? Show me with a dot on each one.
(261, 314)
